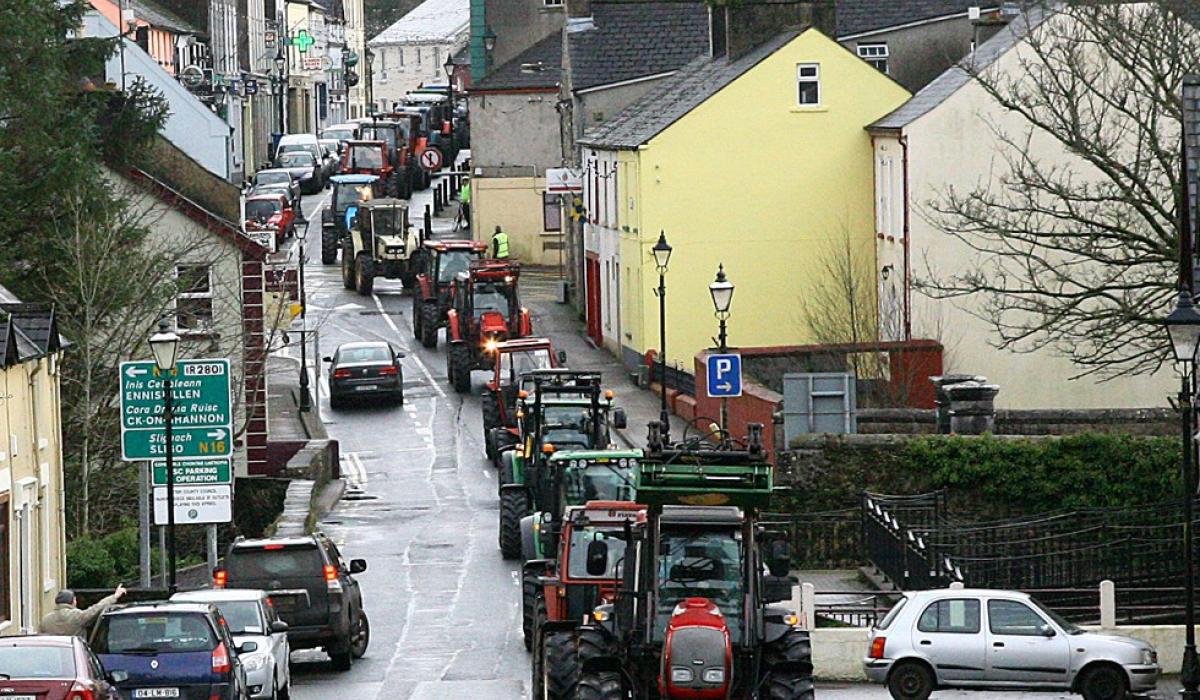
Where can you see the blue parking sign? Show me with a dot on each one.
(724, 376)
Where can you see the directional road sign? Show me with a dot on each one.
(202, 424)
(194, 471)
(195, 505)
(724, 376)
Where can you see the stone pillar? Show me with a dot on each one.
(942, 402)
(972, 407)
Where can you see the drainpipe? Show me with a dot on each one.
(907, 247)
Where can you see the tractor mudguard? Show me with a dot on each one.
(327, 216)
(603, 664)
(773, 625)
(452, 333)
(530, 545)
(526, 324)
(551, 626)
(514, 487)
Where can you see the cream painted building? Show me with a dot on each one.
(941, 140)
(414, 50)
(32, 542)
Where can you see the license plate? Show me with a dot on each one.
(156, 692)
(366, 388)
(17, 697)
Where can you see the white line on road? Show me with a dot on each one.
(420, 363)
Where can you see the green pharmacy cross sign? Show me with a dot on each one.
(202, 420)
(303, 41)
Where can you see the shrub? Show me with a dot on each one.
(89, 564)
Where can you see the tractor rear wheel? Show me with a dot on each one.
(531, 596)
(794, 647)
(460, 360)
(329, 247)
(347, 267)
(364, 274)
(600, 686)
(514, 505)
(429, 324)
(491, 409)
(787, 685)
(592, 644)
(416, 318)
(559, 665)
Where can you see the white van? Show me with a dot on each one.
(301, 142)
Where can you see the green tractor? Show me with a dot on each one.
(694, 616)
(564, 411)
(380, 243)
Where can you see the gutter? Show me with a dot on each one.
(907, 242)
(910, 25)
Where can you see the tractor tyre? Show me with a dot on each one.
(794, 647)
(514, 505)
(600, 686)
(429, 324)
(559, 665)
(364, 274)
(592, 644)
(393, 185)
(491, 409)
(347, 267)
(329, 248)
(460, 359)
(787, 685)
(792, 681)
(416, 318)
(531, 593)
(504, 468)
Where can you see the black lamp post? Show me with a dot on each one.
(370, 80)
(662, 257)
(305, 397)
(721, 290)
(1183, 326)
(281, 87)
(165, 345)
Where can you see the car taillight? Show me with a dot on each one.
(331, 578)
(80, 692)
(220, 659)
(388, 371)
(220, 578)
(341, 374)
(877, 645)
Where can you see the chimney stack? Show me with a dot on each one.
(579, 16)
(753, 22)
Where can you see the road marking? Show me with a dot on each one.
(420, 363)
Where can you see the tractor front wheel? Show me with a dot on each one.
(416, 318)
(347, 267)
(514, 505)
(559, 666)
(788, 662)
(460, 362)
(530, 597)
(491, 409)
(600, 686)
(429, 324)
(364, 274)
(328, 247)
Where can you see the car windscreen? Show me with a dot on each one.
(354, 356)
(296, 159)
(262, 208)
(1066, 625)
(271, 178)
(21, 662)
(242, 616)
(153, 633)
(248, 563)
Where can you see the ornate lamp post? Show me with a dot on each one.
(662, 257)
(721, 290)
(280, 79)
(305, 396)
(165, 345)
(1183, 327)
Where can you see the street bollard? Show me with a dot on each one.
(455, 185)
(428, 222)
(437, 198)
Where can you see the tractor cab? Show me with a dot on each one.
(402, 132)
(515, 361)
(366, 158)
(349, 192)
(393, 136)
(440, 263)
(485, 310)
(380, 244)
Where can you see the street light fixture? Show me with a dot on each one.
(305, 397)
(280, 88)
(721, 290)
(662, 257)
(165, 346)
(1183, 327)
(489, 39)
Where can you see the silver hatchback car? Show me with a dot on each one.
(974, 638)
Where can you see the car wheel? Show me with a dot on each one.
(910, 681)
(1104, 683)
(342, 659)
(362, 636)
(336, 402)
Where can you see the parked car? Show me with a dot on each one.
(365, 369)
(53, 668)
(171, 650)
(252, 618)
(311, 588)
(975, 638)
(305, 168)
(271, 211)
(279, 180)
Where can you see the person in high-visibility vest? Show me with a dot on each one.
(464, 208)
(500, 244)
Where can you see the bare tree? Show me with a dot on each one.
(840, 307)
(1078, 256)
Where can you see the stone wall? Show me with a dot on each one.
(1147, 421)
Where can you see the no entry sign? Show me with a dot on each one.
(431, 159)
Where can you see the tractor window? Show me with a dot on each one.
(387, 135)
(701, 564)
(347, 195)
(366, 157)
(595, 481)
(577, 564)
(262, 209)
(514, 364)
(489, 297)
(452, 262)
(567, 427)
(388, 222)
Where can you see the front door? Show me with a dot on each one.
(949, 635)
(593, 300)
(1023, 647)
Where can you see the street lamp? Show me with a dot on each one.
(1183, 327)
(165, 345)
(489, 44)
(305, 398)
(281, 87)
(721, 290)
(662, 257)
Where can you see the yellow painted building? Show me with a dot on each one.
(760, 162)
(32, 543)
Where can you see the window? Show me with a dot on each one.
(418, 52)
(808, 76)
(552, 3)
(957, 616)
(1014, 618)
(5, 550)
(400, 53)
(876, 55)
(551, 212)
(437, 55)
(891, 614)
(194, 298)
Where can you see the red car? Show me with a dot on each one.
(271, 212)
(53, 668)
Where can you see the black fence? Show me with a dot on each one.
(825, 540)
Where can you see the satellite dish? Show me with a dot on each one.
(192, 76)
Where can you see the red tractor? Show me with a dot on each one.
(485, 311)
(515, 360)
(370, 158)
(440, 262)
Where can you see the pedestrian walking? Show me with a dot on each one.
(500, 244)
(68, 620)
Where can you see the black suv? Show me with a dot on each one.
(311, 587)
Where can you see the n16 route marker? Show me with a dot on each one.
(194, 472)
(202, 421)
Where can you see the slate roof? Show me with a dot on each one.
(27, 331)
(431, 21)
(162, 18)
(950, 82)
(678, 95)
(510, 76)
(862, 16)
(637, 39)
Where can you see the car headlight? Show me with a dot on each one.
(254, 662)
(1149, 657)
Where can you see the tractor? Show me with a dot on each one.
(349, 191)
(439, 263)
(511, 380)
(485, 310)
(380, 244)
(394, 134)
(438, 110)
(372, 158)
(694, 615)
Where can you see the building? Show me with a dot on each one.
(943, 139)
(756, 158)
(356, 42)
(417, 47)
(32, 539)
(503, 29)
(170, 39)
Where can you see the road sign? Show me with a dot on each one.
(194, 472)
(269, 38)
(195, 505)
(724, 376)
(202, 415)
(251, 87)
(563, 180)
(431, 159)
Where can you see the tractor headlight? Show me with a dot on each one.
(714, 675)
(600, 615)
(623, 463)
(490, 345)
(681, 675)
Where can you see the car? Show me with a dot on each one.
(341, 132)
(275, 179)
(54, 668)
(333, 156)
(171, 650)
(365, 369)
(979, 638)
(299, 142)
(311, 588)
(304, 167)
(252, 618)
(271, 211)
